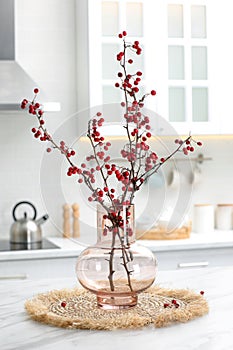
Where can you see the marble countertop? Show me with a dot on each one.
(210, 332)
(72, 247)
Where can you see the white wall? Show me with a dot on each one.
(46, 49)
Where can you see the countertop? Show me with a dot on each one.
(210, 332)
(72, 247)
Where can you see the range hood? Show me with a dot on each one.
(15, 83)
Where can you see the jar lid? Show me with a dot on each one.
(203, 205)
(225, 205)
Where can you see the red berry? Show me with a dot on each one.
(36, 90)
(120, 36)
(202, 292)
(49, 149)
(130, 61)
(33, 130)
(105, 232)
(165, 305)
(117, 85)
(124, 33)
(63, 304)
(153, 92)
(199, 143)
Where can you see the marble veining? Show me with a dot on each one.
(211, 332)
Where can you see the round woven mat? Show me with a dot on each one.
(77, 308)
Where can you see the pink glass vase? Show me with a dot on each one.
(116, 268)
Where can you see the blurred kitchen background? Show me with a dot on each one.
(67, 48)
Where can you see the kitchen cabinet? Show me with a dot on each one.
(194, 258)
(37, 268)
(186, 58)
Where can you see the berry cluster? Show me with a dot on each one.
(174, 303)
(188, 147)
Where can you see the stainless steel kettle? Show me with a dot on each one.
(26, 230)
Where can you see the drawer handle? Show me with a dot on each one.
(14, 277)
(193, 264)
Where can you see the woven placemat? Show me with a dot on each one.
(77, 308)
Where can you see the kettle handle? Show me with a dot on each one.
(24, 202)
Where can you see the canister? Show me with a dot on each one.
(224, 217)
(203, 218)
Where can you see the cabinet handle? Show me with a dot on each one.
(14, 277)
(193, 264)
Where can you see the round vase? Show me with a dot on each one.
(116, 268)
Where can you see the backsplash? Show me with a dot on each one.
(26, 173)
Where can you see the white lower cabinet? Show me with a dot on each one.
(180, 259)
(38, 268)
(65, 266)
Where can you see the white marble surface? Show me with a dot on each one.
(210, 332)
(72, 247)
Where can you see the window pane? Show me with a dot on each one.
(134, 16)
(110, 65)
(198, 21)
(111, 94)
(175, 21)
(200, 104)
(176, 104)
(199, 62)
(175, 62)
(110, 18)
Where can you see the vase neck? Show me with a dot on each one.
(116, 227)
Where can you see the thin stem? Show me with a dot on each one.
(111, 270)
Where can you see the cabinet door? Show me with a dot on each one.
(38, 268)
(181, 259)
(186, 58)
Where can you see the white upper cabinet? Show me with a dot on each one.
(187, 58)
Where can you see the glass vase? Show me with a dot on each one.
(116, 268)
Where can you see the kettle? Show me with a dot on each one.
(26, 230)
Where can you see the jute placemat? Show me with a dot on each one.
(77, 308)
